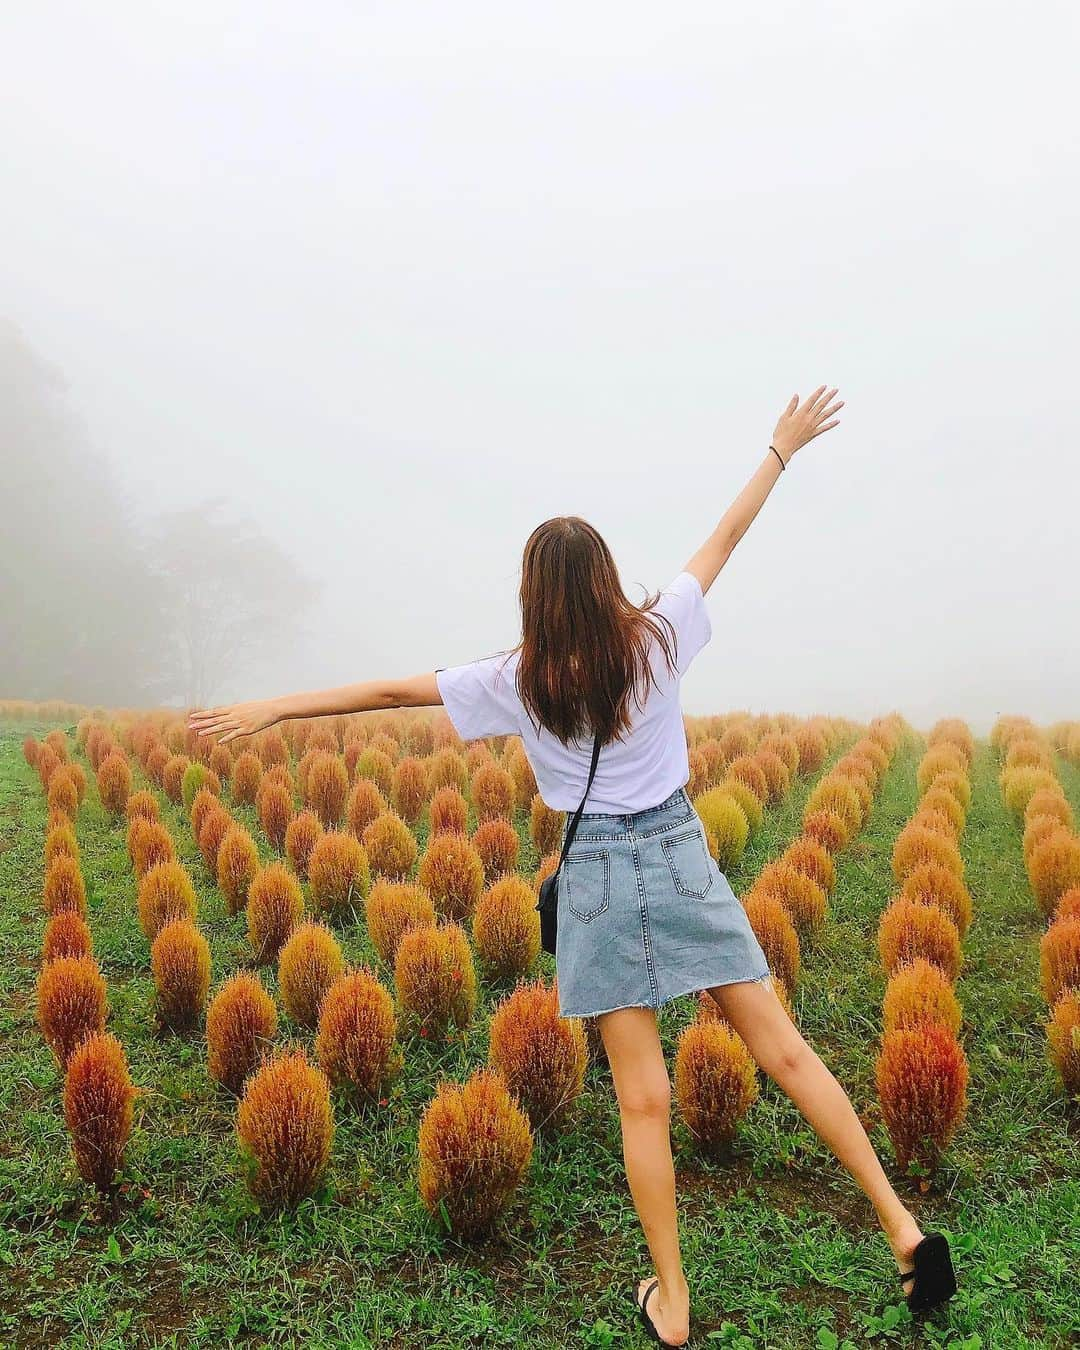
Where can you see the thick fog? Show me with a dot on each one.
(314, 312)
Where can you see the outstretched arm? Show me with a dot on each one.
(798, 424)
(244, 719)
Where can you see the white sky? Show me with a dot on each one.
(402, 281)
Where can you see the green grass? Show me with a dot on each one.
(779, 1246)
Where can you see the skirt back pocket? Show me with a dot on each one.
(587, 879)
(690, 862)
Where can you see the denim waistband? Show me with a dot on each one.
(644, 817)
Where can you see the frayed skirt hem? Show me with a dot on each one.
(695, 988)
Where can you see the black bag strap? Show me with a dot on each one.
(577, 814)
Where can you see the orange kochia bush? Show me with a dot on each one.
(922, 1082)
(275, 906)
(286, 1126)
(180, 961)
(66, 934)
(541, 1056)
(240, 1023)
(475, 1145)
(309, 963)
(71, 1003)
(356, 1042)
(98, 1097)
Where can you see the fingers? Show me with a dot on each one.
(828, 426)
(792, 405)
(830, 409)
(808, 406)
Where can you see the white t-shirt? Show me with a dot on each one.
(640, 771)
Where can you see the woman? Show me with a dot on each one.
(645, 914)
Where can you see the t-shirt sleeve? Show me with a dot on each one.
(683, 602)
(480, 698)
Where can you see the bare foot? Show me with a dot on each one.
(669, 1310)
(903, 1239)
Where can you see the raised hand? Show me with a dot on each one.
(800, 423)
(234, 719)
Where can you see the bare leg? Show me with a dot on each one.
(643, 1088)
(758, 1016)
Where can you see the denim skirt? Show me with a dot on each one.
(645, 913)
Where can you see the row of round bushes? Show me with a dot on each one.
(733, 779)
(921, 1069)
(72, 1001)
(788, 900)
(1033, 794)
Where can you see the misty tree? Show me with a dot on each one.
(232, 596)
(95, 610)
(79, 615)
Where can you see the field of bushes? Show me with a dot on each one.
(282, 1060)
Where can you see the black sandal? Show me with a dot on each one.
(935, 1280)
(675, 1345)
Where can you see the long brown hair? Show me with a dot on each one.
(585, 647)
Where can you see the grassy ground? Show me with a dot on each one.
(779, 1247)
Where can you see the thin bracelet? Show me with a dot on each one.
(778, 455)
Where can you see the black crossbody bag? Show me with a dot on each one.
(548, 903)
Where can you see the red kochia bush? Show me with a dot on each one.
(143, 804)
(66, 934)
(309, 963)
(828, 828)
(776, 933)
(365, 803)
(180, 961)
(1054, 867)
(356, 1043)
(202, 804)
(715, 1082)
(338, 873)
(71, 1003)
(114, 782)
(541, 1056)
(908, 929)
(919, 993)
(60, 839)
(240, 1023)
(215, 825)
(922, 1083)
(98, 1097)
(475, 1146)
(285, 1126)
